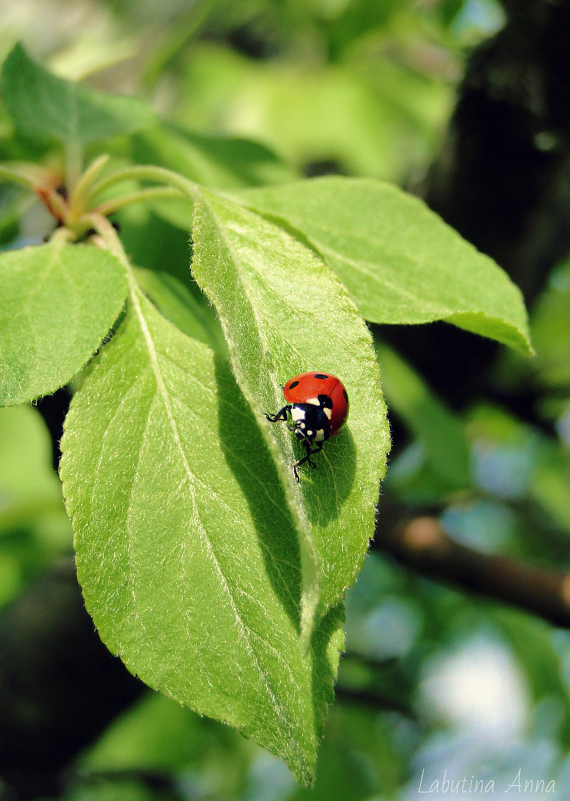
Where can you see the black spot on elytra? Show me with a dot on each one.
(345, 395)
(320, 375)
(294, 384)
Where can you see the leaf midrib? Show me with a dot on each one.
(277, 706)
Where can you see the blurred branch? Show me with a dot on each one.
(423, 545)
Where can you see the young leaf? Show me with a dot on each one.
(400, 262)
(284, 312)
(186, 551)
(46, 107)
(58, 302)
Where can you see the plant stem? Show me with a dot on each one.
(145, 172)
(61, 236)
(152, 193)
(17, 177)
(109, 235)
(84, 184)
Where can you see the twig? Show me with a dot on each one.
(423, 545)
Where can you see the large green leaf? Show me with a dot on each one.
(58, 303)
(186, 551)
(46, 107)
(400, 262)
(284, 312)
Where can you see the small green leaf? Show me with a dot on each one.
(186, 551)
(400, 262)
(58, 303)
(284, 312)
(30, 492)
(26, 471)
(46, 107)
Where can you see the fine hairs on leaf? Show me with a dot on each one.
(216, 576)
(58, 303)
(194, 520)
(400, 262)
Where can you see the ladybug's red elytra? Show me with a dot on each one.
(318, 406)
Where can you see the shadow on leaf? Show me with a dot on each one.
(326, 488)
(248, 458)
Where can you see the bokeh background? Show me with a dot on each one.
(465, 103)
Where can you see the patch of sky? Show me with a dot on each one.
(408, 463)
(482, 524)
(504, 469)
(478, 690)
(477, 687)
(269, 779)
(563, 425)
(478, 19)
(388, 630)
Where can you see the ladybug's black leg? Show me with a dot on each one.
(280, 416)
(310, 452)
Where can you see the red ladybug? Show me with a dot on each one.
(318, 405)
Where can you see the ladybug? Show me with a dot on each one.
(318, 406)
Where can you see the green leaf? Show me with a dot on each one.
(441, 432)
(46, 107)
(370, 117)
(58, 303)
(284, 312)
(550, 326)
(186, 551)
(531, 642)
(159, 734)
(25, 456)
(400, 262)
(30, 496)
(217, 162)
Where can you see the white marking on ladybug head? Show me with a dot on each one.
(328, 412)
(320, 435)
(313, 401)
(297, 414)
(309, 433)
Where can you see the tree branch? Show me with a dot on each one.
(423, 545)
